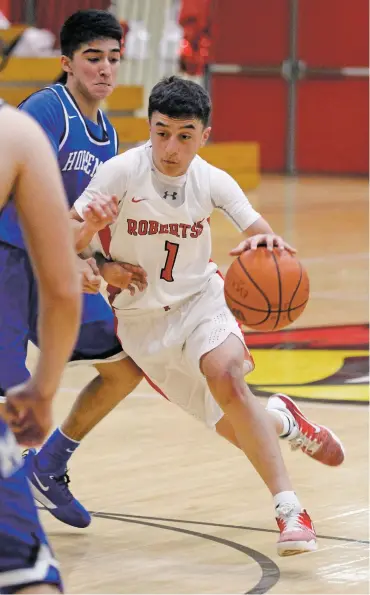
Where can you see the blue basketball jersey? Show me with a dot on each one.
(80, 145)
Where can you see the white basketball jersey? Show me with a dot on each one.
(163, 224)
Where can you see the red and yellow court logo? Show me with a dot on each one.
(326, 363)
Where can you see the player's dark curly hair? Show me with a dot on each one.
(84, 26)
(180, 98)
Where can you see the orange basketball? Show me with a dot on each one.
(266, 290)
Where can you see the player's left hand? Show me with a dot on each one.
(28, 414)
(270, 240)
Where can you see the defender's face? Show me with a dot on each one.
(93, 69)
(176, 142)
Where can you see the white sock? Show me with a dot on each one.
(288, 421)
(286, 498)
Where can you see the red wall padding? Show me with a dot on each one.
(333, 126)
(5, 8)
(17, 11)
(250, 31)
(333, 32)
(253, 110)
(332, 115)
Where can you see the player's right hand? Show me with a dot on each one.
(101, 211)
(28, 413)
(125, 276)
(90, 275)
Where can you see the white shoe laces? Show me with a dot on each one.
(290, 516)
(311, 446)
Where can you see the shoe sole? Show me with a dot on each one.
(283, 406)
(293, 548)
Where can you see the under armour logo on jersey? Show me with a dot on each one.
(173, 194)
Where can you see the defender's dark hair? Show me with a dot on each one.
(179, 98)
(87, 25)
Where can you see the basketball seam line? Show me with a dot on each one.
(255, 284)
(271, 311)
(280, 289)
(296, 289)
(255, 324)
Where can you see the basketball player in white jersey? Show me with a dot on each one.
(31, 180)
(179, 330)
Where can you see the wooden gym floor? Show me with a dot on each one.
(177, 510)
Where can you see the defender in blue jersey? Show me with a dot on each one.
(82, 138)
(27, 563)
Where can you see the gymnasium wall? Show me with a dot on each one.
(5, 7)
(331, 116)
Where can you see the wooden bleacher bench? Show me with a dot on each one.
(39, 71)
(14, 95)
(125, 98)
(9, 35)
(240, 159)
(131, 130)
(236, 156)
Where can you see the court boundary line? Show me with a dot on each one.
(222, 525)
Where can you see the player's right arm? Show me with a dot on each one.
(97, 208)
(229, 197)
(29, 170)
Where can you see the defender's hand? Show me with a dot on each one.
(124, 275)
(90, 275)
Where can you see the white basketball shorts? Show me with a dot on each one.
(168, 346)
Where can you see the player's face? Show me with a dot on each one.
(176, 142)
(93, 69)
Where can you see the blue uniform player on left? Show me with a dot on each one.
(27, 563)
(82, 138)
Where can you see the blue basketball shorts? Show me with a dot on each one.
(25, 554)
(97, 341)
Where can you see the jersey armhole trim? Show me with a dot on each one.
(65, 133)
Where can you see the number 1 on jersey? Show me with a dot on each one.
(172, 250)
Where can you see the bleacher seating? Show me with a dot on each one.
(7, 36)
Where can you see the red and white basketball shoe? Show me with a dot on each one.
(318, 442)
(297, 533)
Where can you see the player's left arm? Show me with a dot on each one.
(230, 198)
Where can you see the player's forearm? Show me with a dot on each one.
(43, 212)
(58, 323)
(83, 237)
(83, 234)
(258, 227)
